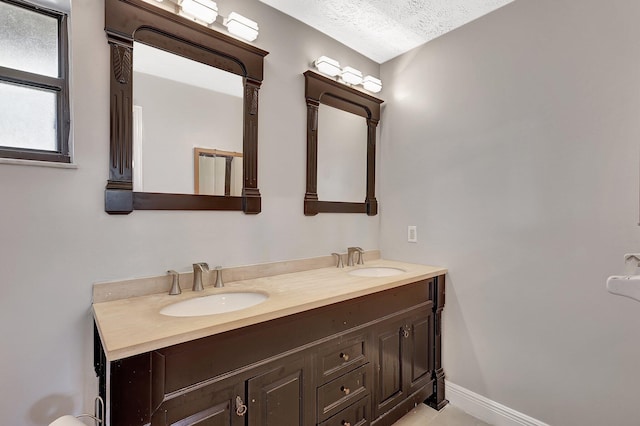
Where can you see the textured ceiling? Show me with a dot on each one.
(384, 29)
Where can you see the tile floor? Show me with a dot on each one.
(424, 415)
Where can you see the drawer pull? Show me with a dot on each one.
(241, 409)
(346, 391)
(345, 423)
(344, 356)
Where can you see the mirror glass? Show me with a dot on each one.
(180, 108)
(342, 155)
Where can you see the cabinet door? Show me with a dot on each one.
(281, 396)
(388, 368)
(419, 349)
(211, 405)
(404, 358)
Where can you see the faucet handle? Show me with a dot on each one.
(219, 282)
(339, 260)
(360, 255)
(175, 283)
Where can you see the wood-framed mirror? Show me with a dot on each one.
(356, 116)
(129, 21)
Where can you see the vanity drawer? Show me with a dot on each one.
(359, 414)
(343, 391)
(335, 360)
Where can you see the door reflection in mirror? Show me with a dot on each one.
(181, 104)
(217, 172)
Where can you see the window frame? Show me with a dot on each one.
(58, 85)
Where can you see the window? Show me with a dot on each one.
(34, 94)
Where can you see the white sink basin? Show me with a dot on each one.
(376, 271)
(214, 304)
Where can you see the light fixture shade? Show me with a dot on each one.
(203, 10)
(372, 84)
(351, 75)
(328, 66)
(242, 27)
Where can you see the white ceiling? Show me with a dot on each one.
(384, 29)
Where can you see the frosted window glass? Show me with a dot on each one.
(27, 118)
(28, 41)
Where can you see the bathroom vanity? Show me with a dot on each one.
(326, 348)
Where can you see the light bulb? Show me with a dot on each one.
(351, 75)
(242, 27)
(372, 84)
(203, 10)
(328, 66)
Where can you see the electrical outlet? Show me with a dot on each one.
(412, 234)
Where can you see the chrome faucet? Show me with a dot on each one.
(219, 282)
(352, 252)
(198, 269)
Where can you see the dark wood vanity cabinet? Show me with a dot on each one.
(365, 361)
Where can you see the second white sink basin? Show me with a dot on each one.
(376, 271)
(214, 304)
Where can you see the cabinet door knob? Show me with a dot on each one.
(346, 391)
(405, 331)
(344, 356)
(345, 423)
(241, 409)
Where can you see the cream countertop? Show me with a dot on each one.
(134, 325)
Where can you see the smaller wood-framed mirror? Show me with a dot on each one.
(129, 21)
(320, 90)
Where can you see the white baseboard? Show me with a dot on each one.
(485, 409)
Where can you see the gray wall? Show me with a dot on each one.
(512, 143)
(56, 240)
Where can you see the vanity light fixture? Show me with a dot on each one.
(372, 84)
(351, 76)
(202, 10)
(328, 66)
(242, 27)
(348, 75)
